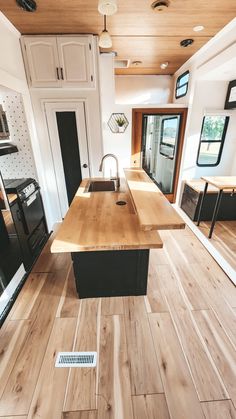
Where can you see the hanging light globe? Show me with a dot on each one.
(105, 40)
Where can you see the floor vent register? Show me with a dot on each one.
(76, 360)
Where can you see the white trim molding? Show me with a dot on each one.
(11, 288)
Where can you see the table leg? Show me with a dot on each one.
(201, 205)
(217, 205)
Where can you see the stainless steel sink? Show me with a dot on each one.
(101, 186)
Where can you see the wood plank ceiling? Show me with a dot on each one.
(138, 32)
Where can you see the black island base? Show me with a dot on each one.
(111, 273)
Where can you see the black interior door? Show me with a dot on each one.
(68, 136)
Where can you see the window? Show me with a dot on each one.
(212, 140)
(182, 85)
(169, 136)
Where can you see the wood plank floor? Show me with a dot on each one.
(223, 239)
(168, 355)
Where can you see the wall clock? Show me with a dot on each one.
(230, 102)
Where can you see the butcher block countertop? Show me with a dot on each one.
(94, 222)
(153, 209)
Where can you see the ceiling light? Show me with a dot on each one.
(137, 62)
(186, 43)
(105, 40)
(198, 28)
(160, 5)
(107, 7)
(27, 5)
(164, 65)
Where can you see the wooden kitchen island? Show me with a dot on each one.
(110, 243)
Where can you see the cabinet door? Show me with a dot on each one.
(76, 60)
(43, 63)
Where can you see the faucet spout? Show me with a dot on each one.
(117, 178)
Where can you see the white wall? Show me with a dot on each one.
(209, 96)
(233, 169)
(207, 90)
(120, 95)
(12, 73)
(209, 51)
(147, 90)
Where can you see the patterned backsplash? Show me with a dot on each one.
(21, 164)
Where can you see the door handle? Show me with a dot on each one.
(62, 74)
(18, 215)
(58, 76)
(85, 166)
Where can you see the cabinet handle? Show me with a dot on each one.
(62, 75)
(85, 166)
(58, 76)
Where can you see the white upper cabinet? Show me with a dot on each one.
(42, 60)
(75, 57)
(62, 61)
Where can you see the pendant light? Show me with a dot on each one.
(107, 7)
(105, 40)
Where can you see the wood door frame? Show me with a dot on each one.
(137, 127)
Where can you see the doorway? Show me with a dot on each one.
(69, 148)
(157, 144)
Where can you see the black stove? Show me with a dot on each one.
(23, 187)
(12, 185)
(28, 215)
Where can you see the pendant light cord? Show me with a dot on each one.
(105, 22)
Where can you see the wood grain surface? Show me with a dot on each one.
(94, 222)
(138, 32)
(159, 343)
(221, 182)
(153, 209)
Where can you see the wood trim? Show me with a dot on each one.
(137, 117)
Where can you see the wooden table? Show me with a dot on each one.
(221, 183)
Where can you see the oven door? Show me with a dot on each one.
(32, 211)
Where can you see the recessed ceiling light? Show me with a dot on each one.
(27, 5)
(198, 28)
(137, 62)
(186, 42)
(160, 5)
(164, 65)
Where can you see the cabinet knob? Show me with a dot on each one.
(85, 166)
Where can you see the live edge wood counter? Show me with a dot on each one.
(109, 246)
(153, 209)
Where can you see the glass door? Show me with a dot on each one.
(159, 149)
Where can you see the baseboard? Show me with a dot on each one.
(8, 293)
